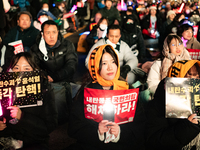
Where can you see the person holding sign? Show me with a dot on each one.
(104, 72)
(173, 51)
(172, 133)
(29, 127)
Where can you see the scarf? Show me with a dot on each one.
(93, 65)
(180, 68)
(115, 46)
(170, 58)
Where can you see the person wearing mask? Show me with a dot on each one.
(185, 31)
(111, 13)
(90, 135)
(132, 35)
(42, 17)
(23, 31)
(98, 32)
(173, 51)
(45, 7)
(128, 61)
(57, 57)
(130, 12)
(30, 126)
(151, 24)
(90, 25)
(172, 133)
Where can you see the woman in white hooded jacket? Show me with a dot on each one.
(173, 51)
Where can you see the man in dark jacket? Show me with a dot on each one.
(111, 13)
(23, 31)
(58, 58)
(132, 35)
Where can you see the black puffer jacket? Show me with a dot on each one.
(135, 41)
(62, 60)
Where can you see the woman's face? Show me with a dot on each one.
(104, 22)
(175, 47)
(22, 65)
(153, 12)
(187, 34)
(109, 68)
(192, 73)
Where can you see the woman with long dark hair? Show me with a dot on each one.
(32, 125)
(104, 72)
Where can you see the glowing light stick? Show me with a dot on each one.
(1, 111)
(181, 8)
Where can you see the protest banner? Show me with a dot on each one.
(18, 46)
(22, 89)
(119, 103)
(182, 97)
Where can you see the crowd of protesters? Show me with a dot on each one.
(117, 58)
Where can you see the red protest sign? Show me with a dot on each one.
(18, 46)
(124, 101)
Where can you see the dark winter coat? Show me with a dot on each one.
(27, 36)
(112, 14)
(146, 22)
(135, 41)
(166, 133)
(92, 36)
(85, 130)
(9, 53)
(62, 60)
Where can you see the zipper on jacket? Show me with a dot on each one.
(53, 54)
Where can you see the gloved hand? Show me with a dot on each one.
(124, 71)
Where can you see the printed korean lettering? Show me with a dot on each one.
(21, 91)
(7, 92)
(25, 81)
(95, 100)
(37, 78)
(6, 83)
(92, 108)
(197, 99)
(31, 89)
(31, 79)
(1, 83)
(12, 82)
(100, 109)
(101, 100)
(177, 90)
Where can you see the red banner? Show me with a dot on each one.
(18, 46)
(124, 103)
(194, 53)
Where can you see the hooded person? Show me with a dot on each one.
(42, 17)
(172, 133)
(104, 74)
(170, 17)
(173, 51)
(132, 35)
